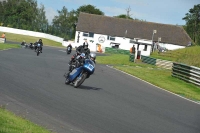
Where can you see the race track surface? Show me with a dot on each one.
(108, 102)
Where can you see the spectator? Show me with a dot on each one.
(132, 50)
(3, 36)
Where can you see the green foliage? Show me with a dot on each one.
(89, 9)
(10, 123)
(123, 16)
(7, 46)
(193, 23)
(18, 13)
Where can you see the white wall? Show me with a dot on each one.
(31, 33)
(124, 43)
(171, 46)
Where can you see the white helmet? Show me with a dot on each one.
(93, 55)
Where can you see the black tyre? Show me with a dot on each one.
(79, 81)
(38, 53)
(67, 81)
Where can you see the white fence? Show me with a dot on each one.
(31, 33)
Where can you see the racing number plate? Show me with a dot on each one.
(90, 67)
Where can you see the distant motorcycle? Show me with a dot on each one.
(69, 50)
(31, 46)
(80, 73)
(38, 50)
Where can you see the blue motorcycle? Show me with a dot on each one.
(81, 72)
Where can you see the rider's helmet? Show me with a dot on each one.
(40, 40)
(92, 56)
(85, 45)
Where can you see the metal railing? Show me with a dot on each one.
(187, 73)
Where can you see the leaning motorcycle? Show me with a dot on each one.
(80, 73)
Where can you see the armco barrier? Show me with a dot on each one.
(158, 62)
(132, 57)
(188, 73)
(164, 63)
(148, 60)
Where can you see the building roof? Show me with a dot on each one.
(112, 26)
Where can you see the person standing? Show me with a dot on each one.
(132, 51)
(4, 36)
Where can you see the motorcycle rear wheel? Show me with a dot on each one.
(78, 82)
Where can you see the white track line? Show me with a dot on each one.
(156, 86)
(5, 49)
(62, 50)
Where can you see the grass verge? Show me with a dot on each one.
(10, 123)
(7, 46)
(152, 74)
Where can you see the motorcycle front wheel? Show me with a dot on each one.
(67, 81)
(80, 80)
(38, 52)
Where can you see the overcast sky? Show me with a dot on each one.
(159, 11)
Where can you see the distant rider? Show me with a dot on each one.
(69, 46)
(41, 44)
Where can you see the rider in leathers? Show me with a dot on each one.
(81, 49)
(41, 44)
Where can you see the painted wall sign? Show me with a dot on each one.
(101, 39)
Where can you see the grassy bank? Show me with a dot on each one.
(157, 76)
(10, 123)
(188, 55)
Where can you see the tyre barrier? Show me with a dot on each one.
(132, 57)
(187, 73)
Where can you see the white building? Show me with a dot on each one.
(124, 33)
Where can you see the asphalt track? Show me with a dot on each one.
(108, 102)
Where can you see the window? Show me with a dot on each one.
(132, 41)
(88, 34)
(145, 47)
(111, 38)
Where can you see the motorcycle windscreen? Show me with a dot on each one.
(89, 66)
(75, 73)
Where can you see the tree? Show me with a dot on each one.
(18, 13)
(62, 23)
(193, 23)
(123, 16)
(89, 9)
(41, 20)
